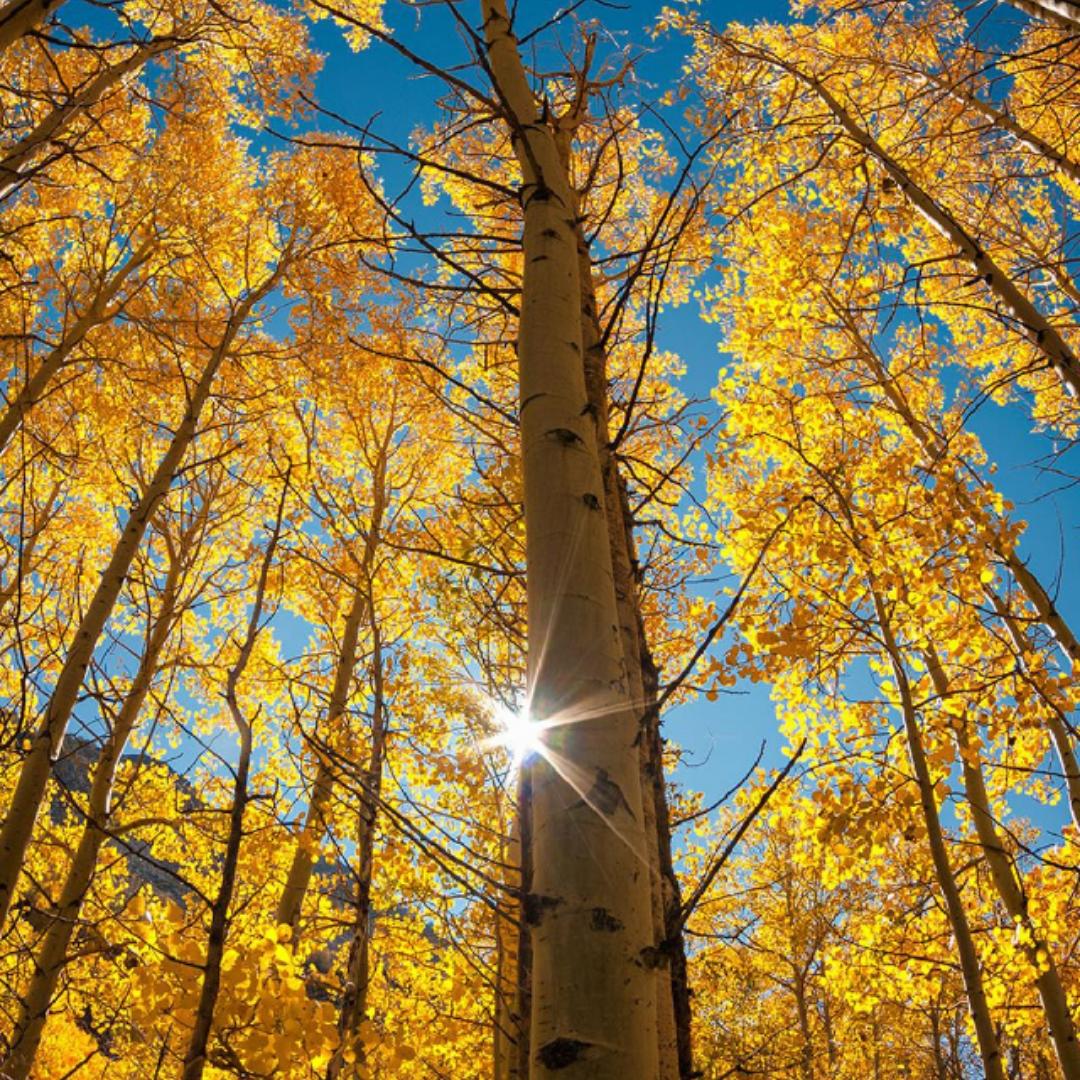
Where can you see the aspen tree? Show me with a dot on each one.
(48, 740)
(195, 1055)
(509, 1032)
(937, 450)
(989, 1048)
(21, 17)
(52, 954)
(362, 607)
(1029, 321)
(593, 999)
(1047, 980)
(102, 307)
(1060, 13)
(354, 997)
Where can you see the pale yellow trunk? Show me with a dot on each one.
(99, 311)
(16, 160)
(1060, 13)
(1030, 322)
(967, 955)
(590, 907)
(631, 630)
(52, 954)
(934, 444)
(19, 17)
(1005, 877)
(47, 741)
(1059, 159)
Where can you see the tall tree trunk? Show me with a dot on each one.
(1060, 730)
(101, 310)
(1005, 877)
(672, 989)
(299, 878)
(935, 445)
(45, 746)
(19, 17)
(357, 973)
(195, 1057)
(52, 954)
(590, 907)
(307, 845)
(989, 1050)
(508, 1029)
(1063, 14)
(14, 163)
(999, 118)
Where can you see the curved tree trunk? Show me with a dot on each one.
(1060, 13)
(195, 1056)
(1001, 119)
(19, 17)
(299, 877)
(101, 310)
(15, 162)
(1032, 324)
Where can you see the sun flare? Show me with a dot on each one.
(516, 733)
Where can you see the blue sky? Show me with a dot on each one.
(721, 738)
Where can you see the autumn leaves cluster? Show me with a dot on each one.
(262, 562)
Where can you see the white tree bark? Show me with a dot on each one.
(590, 908)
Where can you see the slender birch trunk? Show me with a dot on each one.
(1001, 119)
(935, 445)
(19, 17)
(1010, 888)
(52, 954)
(357, 977)
(1060, 730)
(46, 744)
(101, 310)
(1060, 13)
(14, 162)
(989, 1050)
(195, 1057)
(1033, 325)
(315, 824)
(590, 907)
